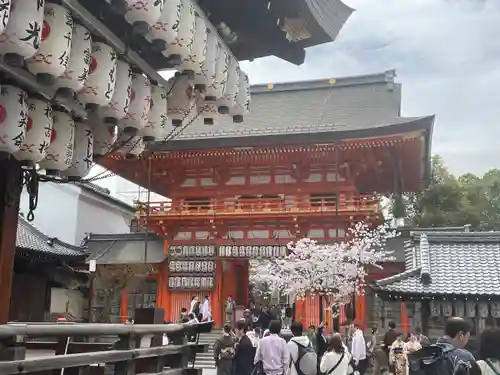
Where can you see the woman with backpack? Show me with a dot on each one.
(489, 352)
(336, 360)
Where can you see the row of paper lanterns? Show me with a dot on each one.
(59, 51)
(52, 138)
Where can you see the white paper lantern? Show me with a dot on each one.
(209, 112)
(228, 99)
(140, 102)
(52, 58)
(5, 9)
(38, 132)
(194, 61)
(80, 58)
(100, 85)
(13, 118)
(119, 104)
(104, 138)
(205, 78)
(60, 152)
(143, 14)
(216, 89)
(180, 47)
(131, 147)
(242, 99)
(181, 99)
(82, 153)
(157, 116)
(22, 37)
(164, 32)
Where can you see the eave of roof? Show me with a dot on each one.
(30, 239)
(314, 111)
(320, 136)
(135, 236)
(325, 83)
(104, 193)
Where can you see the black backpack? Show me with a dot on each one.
(436, 360)
(307, 360)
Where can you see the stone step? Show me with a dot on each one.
(206, 360)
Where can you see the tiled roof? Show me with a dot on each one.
(449, 263)
(398, 246)
(30, 238)
(328, 105)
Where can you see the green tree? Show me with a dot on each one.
(457, 201)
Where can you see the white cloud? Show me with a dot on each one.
(447, 55)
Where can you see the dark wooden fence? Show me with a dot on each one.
(97, 349)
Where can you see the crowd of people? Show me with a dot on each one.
(198, 311)
(252, 349)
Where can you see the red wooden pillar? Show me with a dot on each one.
(10, 193)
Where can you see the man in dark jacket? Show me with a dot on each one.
(264, 318)
(456, 335)
(321, 343)
(390, 336)
(245, 351)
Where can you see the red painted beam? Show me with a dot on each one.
(10, 193)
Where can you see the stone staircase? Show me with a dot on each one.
(206, 360)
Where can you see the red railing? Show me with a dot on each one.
(263, 206)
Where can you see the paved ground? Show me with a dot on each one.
(209, 371)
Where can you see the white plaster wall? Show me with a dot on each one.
(56, 214)
(96, 215)
(65, 300)
(68, 212)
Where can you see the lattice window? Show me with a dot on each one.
(143, 295)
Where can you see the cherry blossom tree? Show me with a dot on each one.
(335, 270)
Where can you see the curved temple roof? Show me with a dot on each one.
(31, 239)
(458, 264)
(319, 111)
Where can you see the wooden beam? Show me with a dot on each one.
(10, 193)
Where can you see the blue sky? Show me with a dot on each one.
(447, 56)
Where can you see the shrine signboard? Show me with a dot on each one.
(191, 266)
(252, 251)
(191, 251)
(191, 282)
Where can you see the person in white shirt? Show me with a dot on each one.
(194, 307)
(254, 336)
(272, 352)
(206, 314)
(358, 350)
(192, 319)
(293, 346)
(336, 360)
(489, 352)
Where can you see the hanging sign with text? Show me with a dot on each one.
(191, 282)
(252, 251)
(191, 266)
(191, 251)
